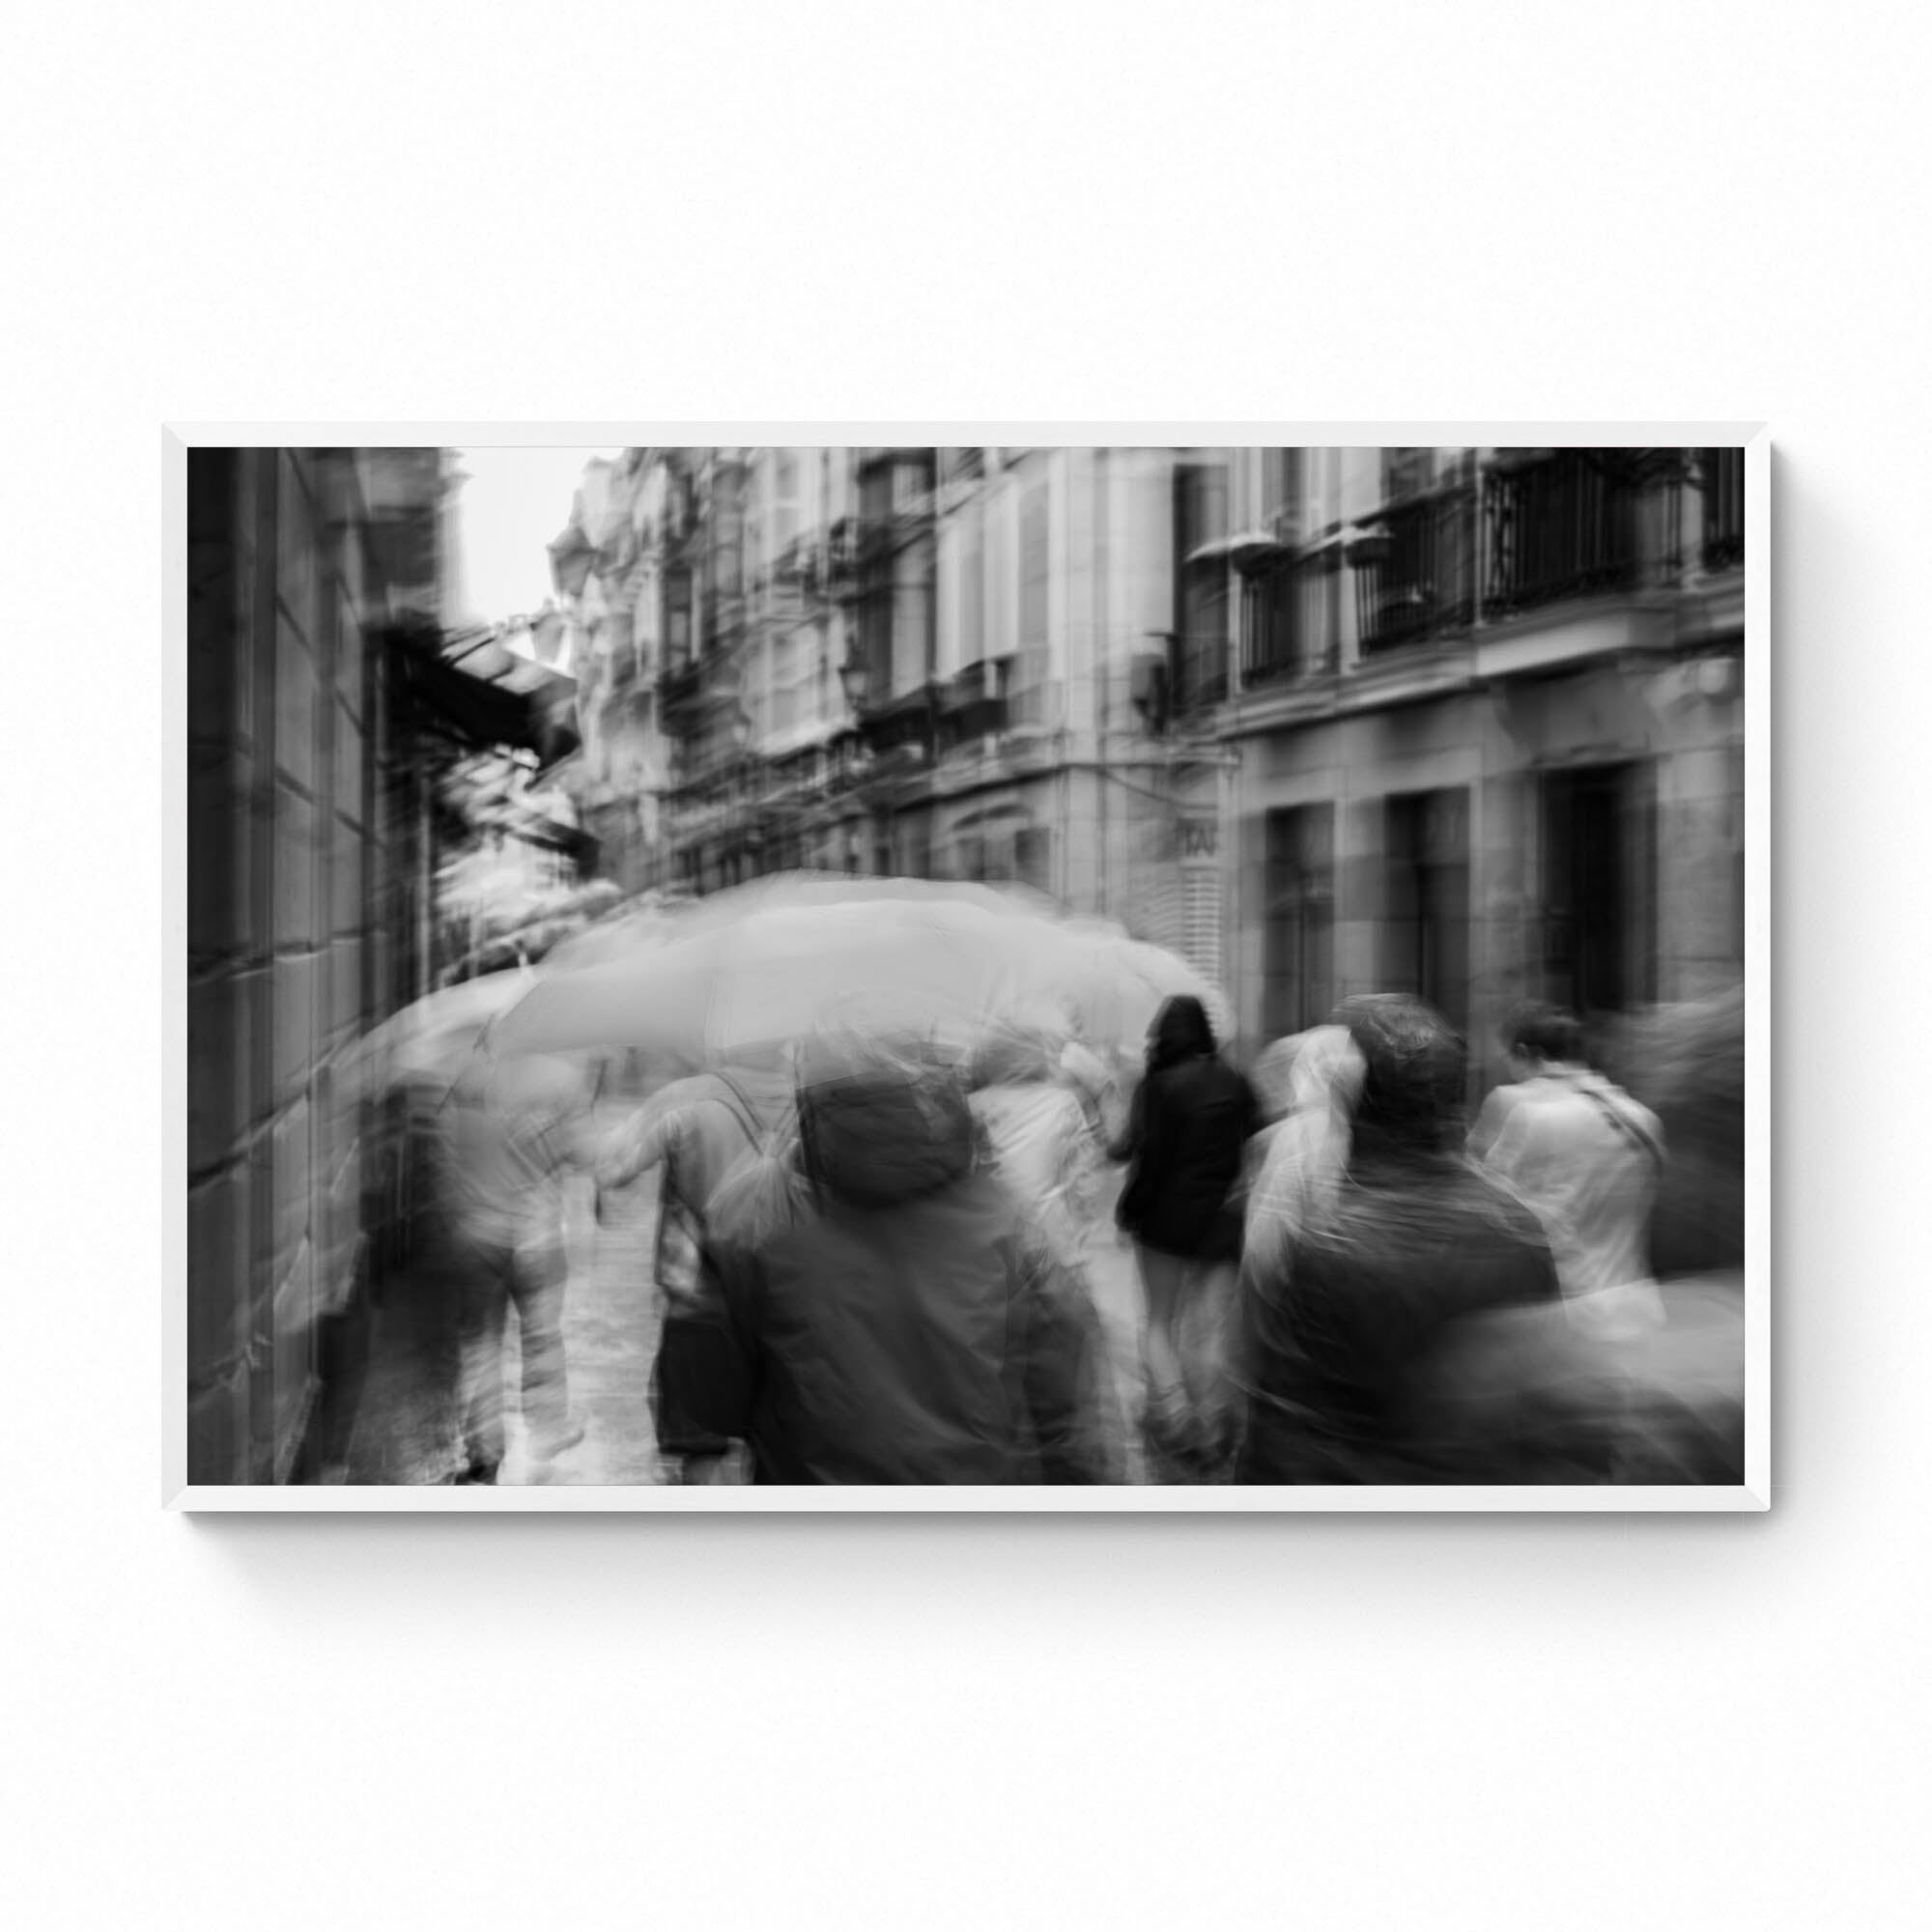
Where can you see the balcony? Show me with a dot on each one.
(904, 724)
(1560, 523)
(1289, 618)
(842, 573)
(1415, 572)
(973, 704)
(680, 682)
(1722, 474)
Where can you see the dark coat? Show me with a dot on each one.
(1192, 1118)
(905, 1323)
(1337, 1354)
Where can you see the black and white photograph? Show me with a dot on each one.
(1073, 973)
(966, 968)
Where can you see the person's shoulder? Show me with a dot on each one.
(1503, 1099)
(1494, 1208)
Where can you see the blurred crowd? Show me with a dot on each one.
(877, 1257)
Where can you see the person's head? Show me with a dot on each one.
(1180, 1031)
(1414, 1065)
(878, 1120)
(882, 1117)
(1539, 1035)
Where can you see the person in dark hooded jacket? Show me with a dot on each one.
(886, 1312)
(1349, 1308)
(1191, 1120)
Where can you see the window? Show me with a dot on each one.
(1406, 473)
(784, 685)
(1290, 618)
(1298, 962)
(1281, 492)
(971, 589)
(782, 521)
(1033, 857)
(1426, 926)
(1201, 618)
(1722, 474)
(1596, 872)
(726, 552)
(916, 843)
(677, 614)
(1027, 693)
(875, 492)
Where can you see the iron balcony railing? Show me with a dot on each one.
(1416, 571)
(1289, 618)
(1722, 472)
(1560, 525)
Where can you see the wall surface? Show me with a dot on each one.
(296, 933)
(1461, 1724)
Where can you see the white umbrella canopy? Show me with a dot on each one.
(1131, 981)
(433, 1038)
(428, 1046)
(938, 963)
(612, 939)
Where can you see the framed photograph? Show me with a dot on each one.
(1193, 968)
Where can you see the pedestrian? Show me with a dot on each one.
(1032, 1096)
(699, 1131)
(1588, 1159)
(509, 1134)
(1273, 1077)
(887, 1312)
(1370, 1242)
(1190, 1122)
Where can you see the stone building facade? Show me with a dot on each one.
(308, 911)
(1486, 708)
(894, 660)
(1324, 720)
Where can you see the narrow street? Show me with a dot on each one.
(406, 1427)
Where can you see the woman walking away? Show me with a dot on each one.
(1190, 1122)
(1372, 1240)
(886, 1312)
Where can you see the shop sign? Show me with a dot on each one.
(1200, 841)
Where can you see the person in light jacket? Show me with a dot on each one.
(1588, 1159)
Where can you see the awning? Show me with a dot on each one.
(440, 696)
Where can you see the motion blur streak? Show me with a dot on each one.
(1175, 965)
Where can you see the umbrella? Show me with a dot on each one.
(433, 1037)
(613, 939)
(941, 963)
(1132, 981)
